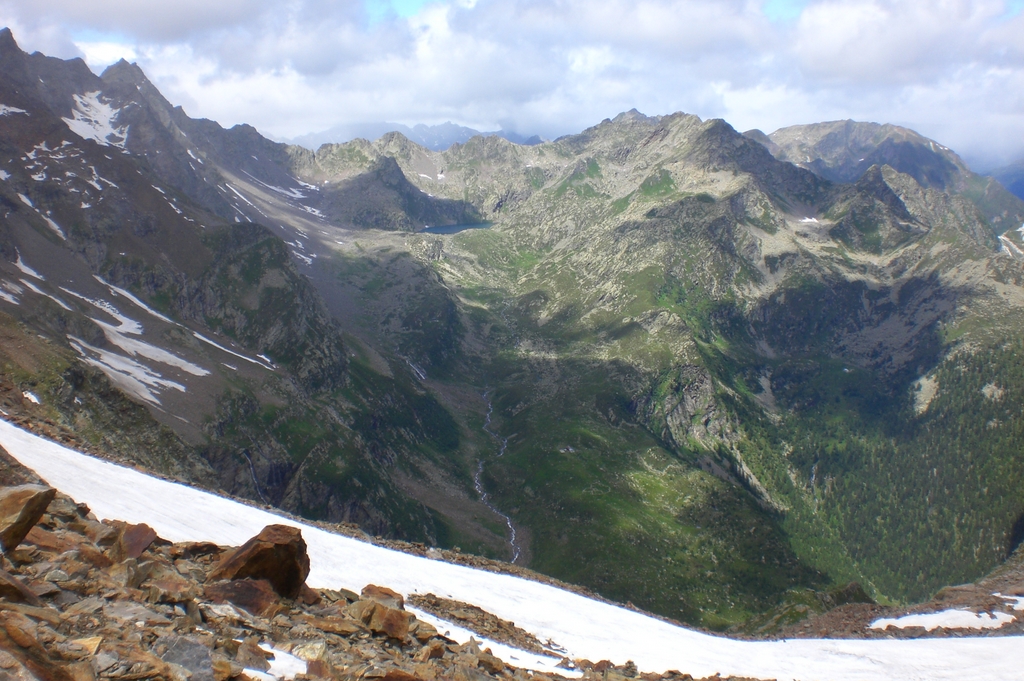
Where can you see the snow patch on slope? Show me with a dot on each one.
(948, 619)
(127, 374)
(20, 264)
(49, 221)
(118, 335)
(93, 119)
(36, 289)
(269, 365)
(1010, 248)
(586, 628)
(138, 303)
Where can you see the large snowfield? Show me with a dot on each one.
(583, 627)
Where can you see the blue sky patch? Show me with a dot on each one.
(784, 10)
(379, 10)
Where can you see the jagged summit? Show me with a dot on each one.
(634, 115)
(7, 38)
(123, 71)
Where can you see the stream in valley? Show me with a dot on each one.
(484, 497)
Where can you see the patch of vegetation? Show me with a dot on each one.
(658, 185)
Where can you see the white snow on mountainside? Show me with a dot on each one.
(93, 119)
(585, 628)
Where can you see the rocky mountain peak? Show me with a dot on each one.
(7, 40)
(124, 72)
(635, 116)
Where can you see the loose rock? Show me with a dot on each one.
(21, 508)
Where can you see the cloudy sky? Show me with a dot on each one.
(951, 69)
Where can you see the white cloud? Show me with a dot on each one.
(952, 69)
(98, 54)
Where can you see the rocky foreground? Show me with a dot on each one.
(82, 599)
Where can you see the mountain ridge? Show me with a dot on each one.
(842, 151)
(434, 137)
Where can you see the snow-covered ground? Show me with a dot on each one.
(583, 627)
(951, 619)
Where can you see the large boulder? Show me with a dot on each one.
(277, 554)
(21, 508)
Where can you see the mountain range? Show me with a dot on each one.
(717, 375)
(433, 137)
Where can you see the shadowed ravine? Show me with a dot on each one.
(484, 497)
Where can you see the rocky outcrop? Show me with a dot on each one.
(683, 408)
(277, 555)
(149, 617)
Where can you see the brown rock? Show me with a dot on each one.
(432, 651)
(222, 670)
(490, 663)
(21, 508)
(256, 596)
(389, 621)
(168, 589)
(130, 573)
(81, 671)
(45, 614)
(94, 557)
(423, 631)
(319, 669)
(192, 550)
(277, 554)
(14, 590)
(48, 541)
(251, 656)
(309, 596)
(135, 539)
(384, 596)
(29, 661)
(40, 587)
(310, 650)
(21, 629)
(400, 675)
(380, 619)
(91, 644)
(99, 533)
(333, 625)
(362, 610)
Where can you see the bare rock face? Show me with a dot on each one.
(277, 554)
(21, 508)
